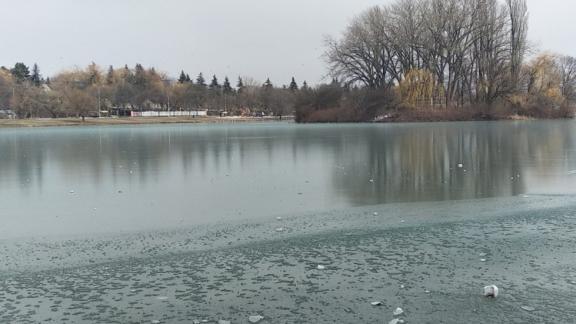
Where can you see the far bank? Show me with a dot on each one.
(109, 121)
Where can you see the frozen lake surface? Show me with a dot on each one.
(176, 224)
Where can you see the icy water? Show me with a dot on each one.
(297, 224)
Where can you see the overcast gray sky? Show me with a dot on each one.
(257, 38)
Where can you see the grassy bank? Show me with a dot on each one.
(52, 122)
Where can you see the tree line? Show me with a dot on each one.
(465, 56)
(88, 91)
(411, 59)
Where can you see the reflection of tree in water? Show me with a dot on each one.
(407, 162)
(420, 162)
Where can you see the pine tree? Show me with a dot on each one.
(188, 80)
(227, 88)
(182, 77)
(268, 84)
(293, 85)
(139, 76)
(214, 85)
(127, 74)
(110, 75)
(200, 80)
(36, 78)
(240, 85)
(20, 72)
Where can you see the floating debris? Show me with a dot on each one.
(321, 267)
(375, 214)
(491, 291)
(402, 286)
(255, 319)
(376, 303)
(482, 260)
(72, 191)
(162, 298)
(399, 311)
(278, 218)
(460, 165)
(156, 322)
(396, 321)
(528, 308)
(280, 229)
(371, 180)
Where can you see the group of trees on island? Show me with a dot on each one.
(84, 92)
(457, 58)
(412, 59)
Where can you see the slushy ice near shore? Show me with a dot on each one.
(422, 257)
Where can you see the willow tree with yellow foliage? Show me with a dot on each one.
(420, 89)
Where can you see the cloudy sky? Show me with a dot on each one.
(257, 38)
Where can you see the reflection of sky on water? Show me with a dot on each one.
(126, 178)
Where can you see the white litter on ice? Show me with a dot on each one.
(491, 291)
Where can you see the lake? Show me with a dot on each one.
(184, 223)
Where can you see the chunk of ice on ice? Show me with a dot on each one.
(255, 318)
(398, 311)
(528, 308)
(491, 291)
(321, 267)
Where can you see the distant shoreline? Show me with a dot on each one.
(109, 121)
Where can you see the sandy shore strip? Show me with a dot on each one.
(50, 122)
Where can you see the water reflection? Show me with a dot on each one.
(198, 173)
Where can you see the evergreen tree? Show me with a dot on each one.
(200, 80)
(110, 75)
(36, 78)
(139, 76)
(127, 74)
(182, 77)
(20, 72)
(214, 85)
(188, 80)
(227, 88)
(293, 85)
(240, 85)
(268, 84)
